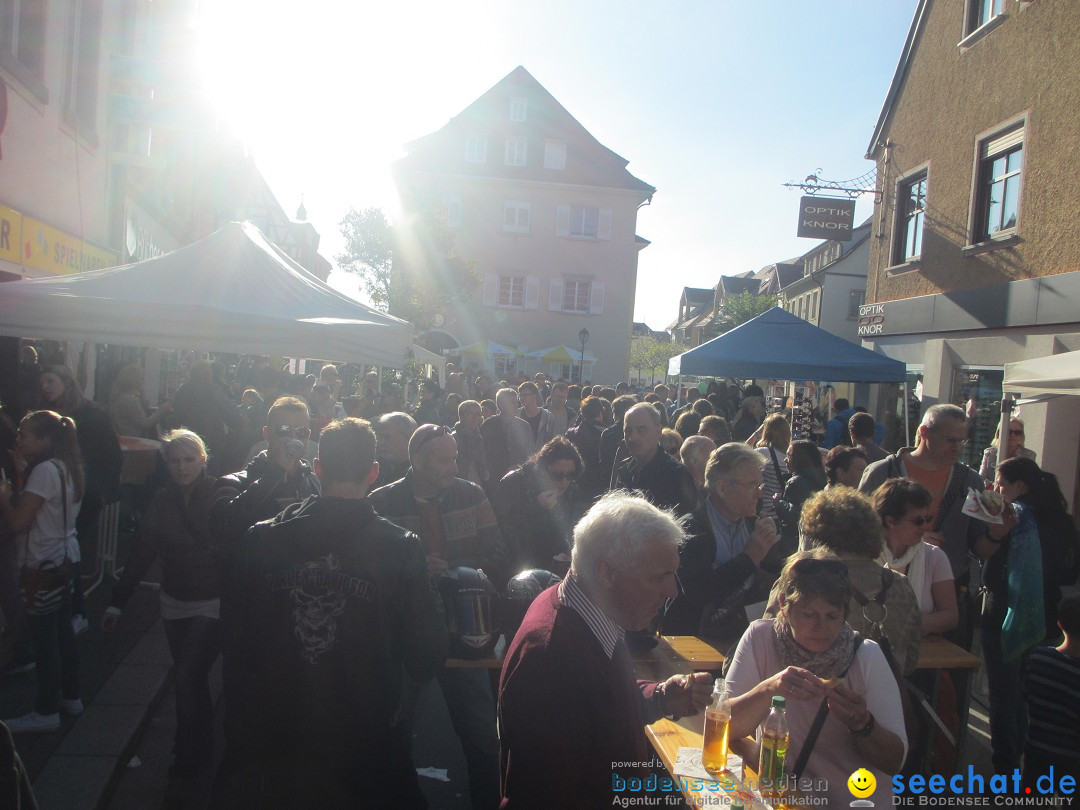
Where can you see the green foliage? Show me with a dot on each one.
(412, 270)
(736, 310)
(649, 356)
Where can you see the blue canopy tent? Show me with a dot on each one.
(782, 346)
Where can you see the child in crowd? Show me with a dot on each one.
(1052, 686)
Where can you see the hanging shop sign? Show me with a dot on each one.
(826, 218)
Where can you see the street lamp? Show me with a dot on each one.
(583, 336)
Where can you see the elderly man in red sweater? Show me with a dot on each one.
(569, 705)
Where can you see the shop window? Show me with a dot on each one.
(978, 392)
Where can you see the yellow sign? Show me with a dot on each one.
(10, 235)
(861, 783)
(53, 251)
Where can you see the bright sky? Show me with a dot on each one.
(716, 103)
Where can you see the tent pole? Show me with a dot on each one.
(907, 421)
(1007, 404)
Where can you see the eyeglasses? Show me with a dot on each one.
(300, 433)
(562, 476)
(921, 520)
(424, 434)
(1015, 432)
(679, 591)
(747, 484)
(813, 565)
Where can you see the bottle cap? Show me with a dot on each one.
(779, 702)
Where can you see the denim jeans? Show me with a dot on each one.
(468, 697)
(1008, 712)
(195, 644)
(57, 658)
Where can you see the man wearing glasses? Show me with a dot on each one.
(457, 526)
(934, 463)
(276, 478)
(720, 561)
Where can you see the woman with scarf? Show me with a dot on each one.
(809, 655)
(904, 508)
(175, 531)
(1014, 612)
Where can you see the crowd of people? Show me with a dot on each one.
(335, 544)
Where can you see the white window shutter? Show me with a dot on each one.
(603, 227)
(491, 289)
(532, 292)
(596, 298)
(562, 222)
(555, 294)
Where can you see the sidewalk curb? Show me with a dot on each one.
(81, 774)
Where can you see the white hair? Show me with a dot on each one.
(618, 529)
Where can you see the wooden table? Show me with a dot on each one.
(937, 654)
(698, 652)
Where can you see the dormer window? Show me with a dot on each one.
(517, 109)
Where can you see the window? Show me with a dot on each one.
(476, 149)
(511, 291)
(453, 210)
(815, 298)
(554, 154)
(583, 223)
(22, 42)
(980, 12)
(910, 208)
(576, 295)
(856, 298)
(504, 365)
(516, 216)
(997, 202)
(84, 51)
(516, 149)
(517, 109)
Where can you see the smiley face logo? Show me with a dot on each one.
(861, 783)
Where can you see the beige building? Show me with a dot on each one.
(547, 215)
(975, 251)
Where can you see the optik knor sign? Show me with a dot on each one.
(871, 319)
(826, 218)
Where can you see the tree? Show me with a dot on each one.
(369, 251)
(647, 354)
(736, 310)
(413, 269)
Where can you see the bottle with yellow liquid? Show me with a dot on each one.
(772, 764)
(714, 750)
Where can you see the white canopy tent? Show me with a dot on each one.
(1056, 374)
(233, 291)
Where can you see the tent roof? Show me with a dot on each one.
(779, 345)
(233, 291)
(1056, 374)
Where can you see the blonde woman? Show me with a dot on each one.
(1014, 448)
(175, 530)
(773, 445)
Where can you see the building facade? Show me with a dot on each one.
(975, 253)
(546, 215)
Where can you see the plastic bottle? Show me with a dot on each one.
(775, 738)
(714, 751)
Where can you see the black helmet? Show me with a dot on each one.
(520, 593)
(470, 599)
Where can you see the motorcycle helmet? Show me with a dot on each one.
(471, 600)
(521, 590)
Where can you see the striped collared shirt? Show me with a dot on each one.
(606, 631)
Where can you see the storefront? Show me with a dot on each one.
(956, 346)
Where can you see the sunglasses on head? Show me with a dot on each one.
(281, 431)
(424, 434)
